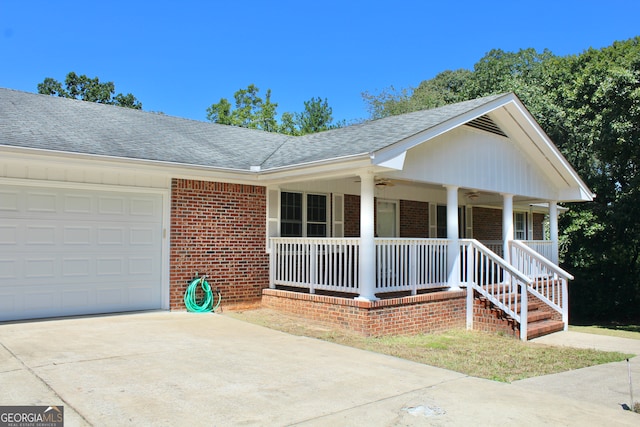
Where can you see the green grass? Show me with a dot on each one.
(473, 353)
(622, 331)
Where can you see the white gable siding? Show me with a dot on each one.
(478, 160)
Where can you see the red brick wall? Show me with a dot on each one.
(351, 215)
(427, 313)
(414, 219)
(538, 231)
(487, 224)
(218, 229)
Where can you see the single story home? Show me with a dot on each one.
(413, 223)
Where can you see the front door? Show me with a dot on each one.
(386, 224)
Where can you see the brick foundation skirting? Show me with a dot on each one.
(420, 314)
(426, 313)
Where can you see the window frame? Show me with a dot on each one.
(305, 222)
(520, 233)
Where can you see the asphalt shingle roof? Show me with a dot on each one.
(369, 136)
(59, 124)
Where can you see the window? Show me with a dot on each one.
(316, 215)
(291, 211)
(303, 215)
(386, 218)
(520, 225)
(442, 222)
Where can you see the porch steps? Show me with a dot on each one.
(540, 319)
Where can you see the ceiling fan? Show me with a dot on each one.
(472, 195)
(381, 182)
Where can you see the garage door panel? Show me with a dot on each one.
(38, 235)
(8, 269)
(9, 200)
(76, 299)
(8, 235)
(68, 252)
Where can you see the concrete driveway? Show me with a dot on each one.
(168, 369)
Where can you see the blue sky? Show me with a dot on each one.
(179, 57)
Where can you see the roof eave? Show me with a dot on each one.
(182, 168)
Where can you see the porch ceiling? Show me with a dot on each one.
(401, 189)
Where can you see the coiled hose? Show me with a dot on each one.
(205, 305)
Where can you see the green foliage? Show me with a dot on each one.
(316, 117)
(589, 105)
(252, 112)
(87, 89)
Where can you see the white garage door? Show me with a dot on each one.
(70, 251)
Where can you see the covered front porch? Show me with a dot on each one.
(412, 272)
(375, 272)
(468, 204)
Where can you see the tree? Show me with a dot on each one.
(87, 89)
(497, 72)
(601, 103)
(316, 117)
(252, 112)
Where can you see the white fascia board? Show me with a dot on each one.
(335, 168)
(392, 151)
(177, 170)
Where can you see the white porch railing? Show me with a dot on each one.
(410, 264)
(496, 280)
(323, 263)
(543, 247)
(496, 246)
(332, 264)
(549, 282)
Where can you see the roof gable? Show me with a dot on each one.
(368, 137)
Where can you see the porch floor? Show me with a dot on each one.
(348, 295)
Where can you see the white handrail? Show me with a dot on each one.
(549, 281)
(499, 282)
(543, 260)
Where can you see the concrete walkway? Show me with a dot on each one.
(598, 385)
(167, 369)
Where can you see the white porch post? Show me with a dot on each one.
(453, 255)
(553, 231)
(367, 285)
(507, 224)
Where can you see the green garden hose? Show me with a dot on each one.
(206, 304)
